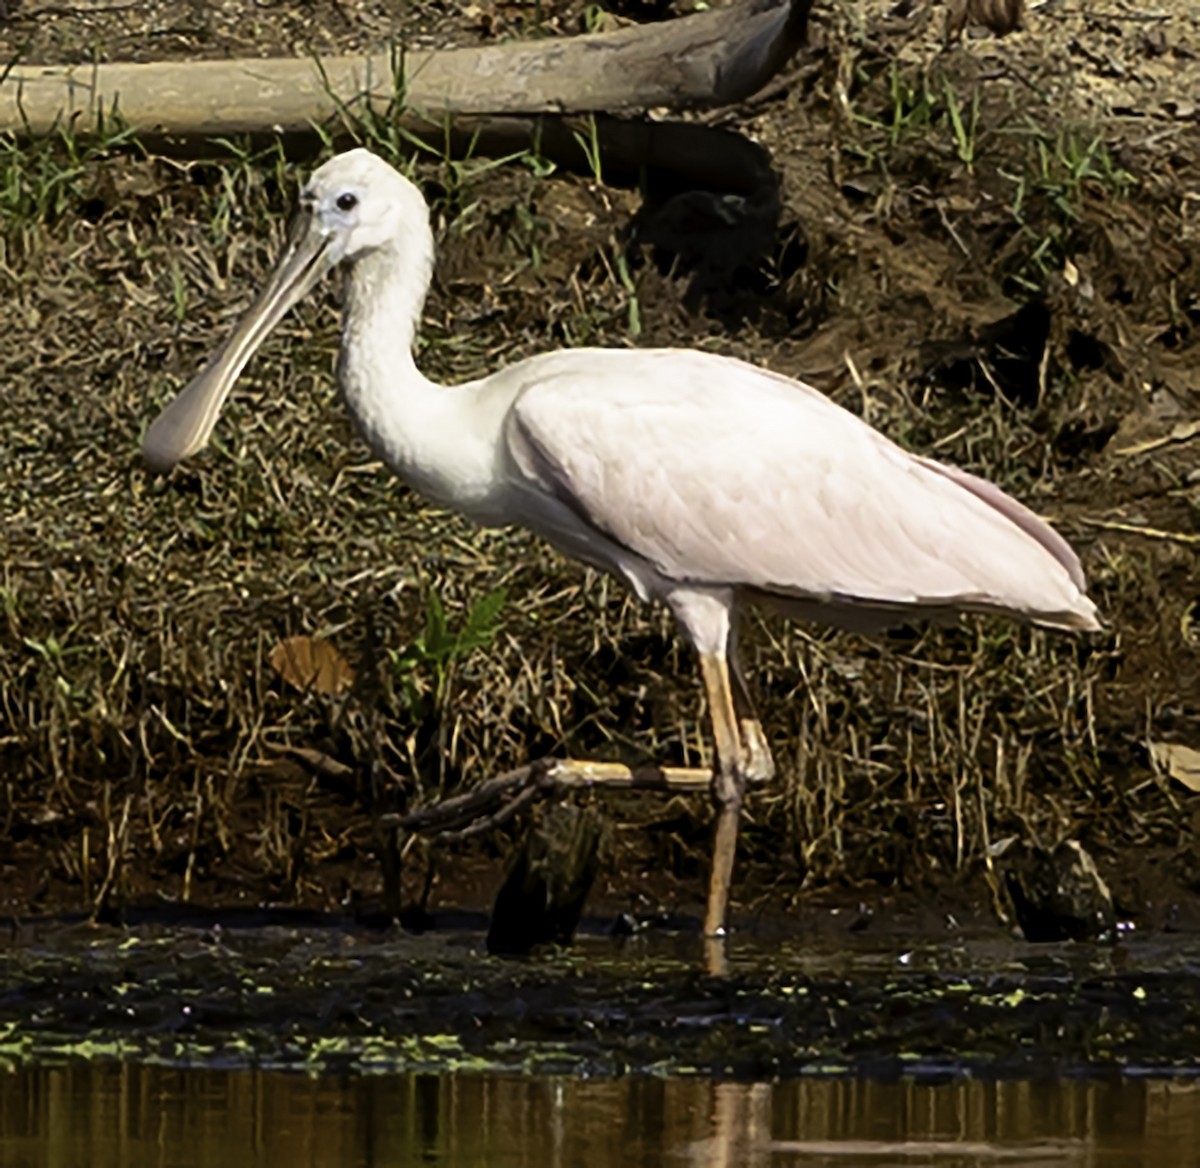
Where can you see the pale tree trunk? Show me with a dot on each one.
(709, 59)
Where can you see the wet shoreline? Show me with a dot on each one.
(334, 998)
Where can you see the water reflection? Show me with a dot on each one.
(134, 1116)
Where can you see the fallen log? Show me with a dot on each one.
(709, 59)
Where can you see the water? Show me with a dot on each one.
(125, 1048)
(96, 1115)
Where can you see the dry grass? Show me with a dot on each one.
(140, 720)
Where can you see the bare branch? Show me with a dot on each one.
(497, 800)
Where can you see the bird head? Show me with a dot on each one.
(353, 205)
(356, 204)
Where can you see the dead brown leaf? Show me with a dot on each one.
(311, 663)
(1181, 762)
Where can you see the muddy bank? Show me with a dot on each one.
(990, 252)
(324, 996)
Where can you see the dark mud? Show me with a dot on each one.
(321, 996)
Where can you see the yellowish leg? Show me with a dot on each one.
(760, 766)
(728, 789)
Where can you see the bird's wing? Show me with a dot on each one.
(716, 471)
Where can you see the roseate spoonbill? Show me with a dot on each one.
(701, 481)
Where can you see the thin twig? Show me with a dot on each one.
(498, 818)
(497, 800)
(1137, 529)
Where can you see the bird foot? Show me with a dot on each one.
(757, 765)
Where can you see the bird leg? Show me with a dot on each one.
(728, 786)
(759, 766)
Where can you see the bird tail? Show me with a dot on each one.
(1083, 618)
(1033, 526)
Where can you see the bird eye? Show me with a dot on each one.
(347, 201)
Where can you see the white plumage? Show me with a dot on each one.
(700, 480)
(719, 473)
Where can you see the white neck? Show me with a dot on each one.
(433, 436)
(384, 299)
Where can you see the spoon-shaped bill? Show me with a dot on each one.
(185, 425)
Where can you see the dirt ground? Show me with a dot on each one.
(989, 250)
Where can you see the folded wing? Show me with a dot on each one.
(717, 472)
